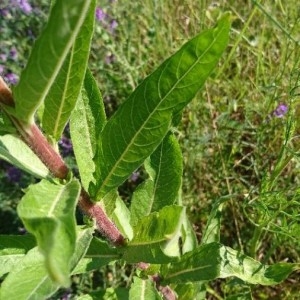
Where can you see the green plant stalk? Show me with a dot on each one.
(39, 144)
(238, 40)
(255, 241)
(258, 4)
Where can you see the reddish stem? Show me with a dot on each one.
(35, 139)
(5, 94)
(105, 225)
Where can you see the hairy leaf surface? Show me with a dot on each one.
(141, 123)
(48, 56)
(86, 123)
(48, 212)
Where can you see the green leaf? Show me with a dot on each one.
(143, 289)
(16, 152)
(83, 242)
(165, 167)
(118, 212)
(162, 189)
(98, 255)
(201, 264)
(6, 125)
(236, 289)
(141, 198)
(62, 96)
(211, 261)
(188, 236)
(156, 237)
(30, 280)
(140, 124)
(191, 291)
(48, 212)
(121, 218)
(108, 294)
(213, 226)
(48, 56)
(246, 268)
(12, 250)
(86, 123)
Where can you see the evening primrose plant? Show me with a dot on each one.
(153, 233)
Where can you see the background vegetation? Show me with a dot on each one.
(239, 136)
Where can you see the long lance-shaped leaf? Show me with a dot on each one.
(86, 123)
(63, 95)
(165, 170)
(30, 280)
(143, 120)
(48, 56)
(48, 212)
(16, 152)
(12, 249)
(211, 261)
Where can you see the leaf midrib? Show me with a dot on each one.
(64, 99)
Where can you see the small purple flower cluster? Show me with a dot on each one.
(22, 5)
(25, 6)
(135, 176)
(11, 10)
(65, 143)
(9, 76)
(65, 146)
(280, 110)
(108, 22)
(12, 173)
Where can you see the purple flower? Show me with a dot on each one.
(13, 53)
(66, 146)
(23, 5)
(100, 14)
(13, 174)
(11, 78)
(1, 69)
(135, 176)
(4, 12)
(113, 25)
(280, 110)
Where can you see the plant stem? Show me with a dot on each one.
(35, 139)
(104, 224)
(5, 94)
